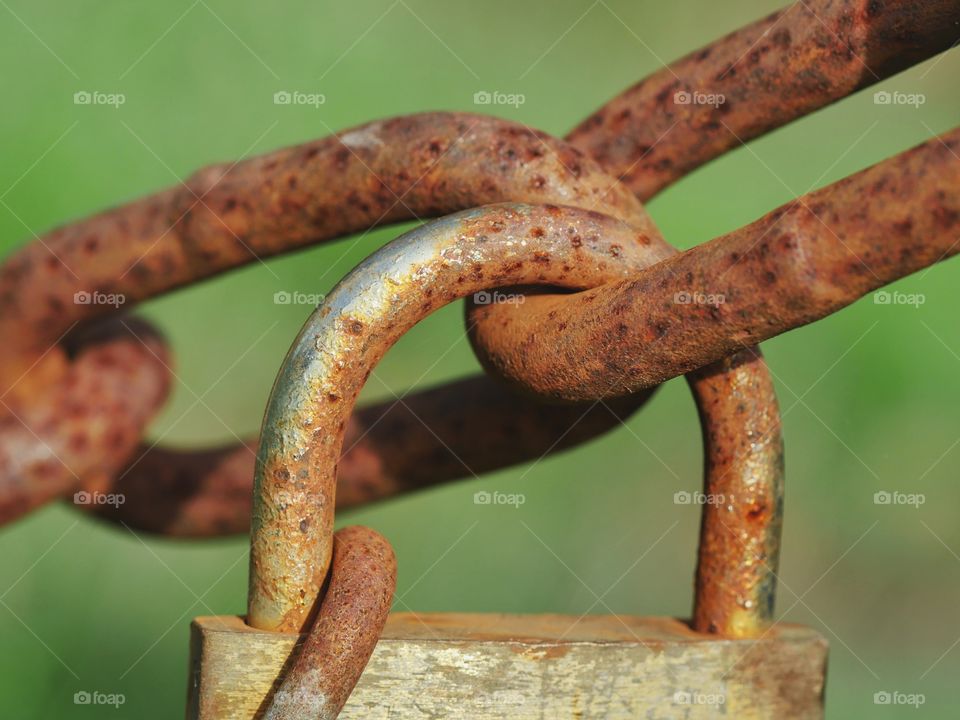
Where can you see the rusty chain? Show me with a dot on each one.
(801, 262)
(818, 53)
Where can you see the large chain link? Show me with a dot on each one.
(63, 431)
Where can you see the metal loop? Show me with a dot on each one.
(330, 660)
(801, 262)
(423, 165)
(644, 136)
(427, 268)
(314, 394)
(432, 437)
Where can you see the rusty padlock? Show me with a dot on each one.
(490, 666)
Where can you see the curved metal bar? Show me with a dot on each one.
(390, 292)
(756, 79)
(329, 662)
(769, 73)
(457, 430)
(803, 261)
(382, 172)
(69, 423)
(314, 394)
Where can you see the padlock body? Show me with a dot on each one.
(531, 667)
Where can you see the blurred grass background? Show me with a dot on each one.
(868, 395)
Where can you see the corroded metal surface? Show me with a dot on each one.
(435, 666)
(329, 662)
(427, 268)
(757, 79)
(739, 548)
(70, 422)
(228, 215)
(805, 260)
(361, 318)
(768, 73)
(460, 429)
(404, 168)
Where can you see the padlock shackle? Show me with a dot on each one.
(456, 256)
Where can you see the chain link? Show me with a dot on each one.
(768, 73)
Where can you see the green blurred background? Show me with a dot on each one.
(867, 395)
